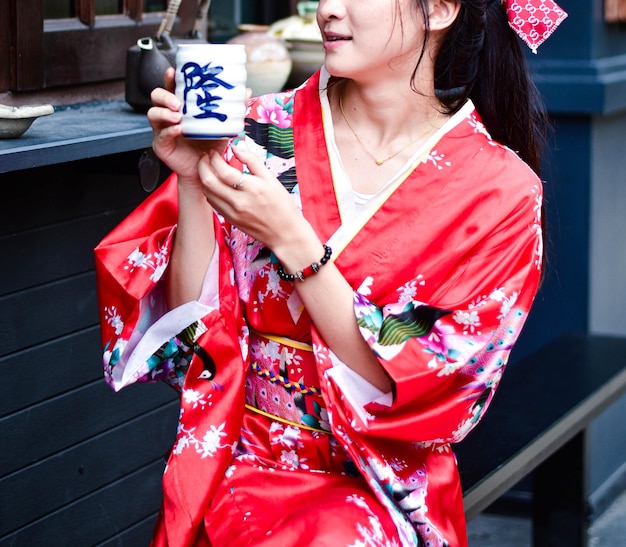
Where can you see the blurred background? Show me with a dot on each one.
(81, 465)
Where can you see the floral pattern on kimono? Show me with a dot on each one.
(440, 302)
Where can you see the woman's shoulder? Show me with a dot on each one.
(477, 168)
(494, 161)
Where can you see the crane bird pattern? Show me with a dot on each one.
(412, 322)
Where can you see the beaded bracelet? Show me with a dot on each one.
(309, 270)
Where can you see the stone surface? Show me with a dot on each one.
(487, 530)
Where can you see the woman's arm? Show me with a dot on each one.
(328, 299)
(194, 245)
(263, 208)
(195, 238)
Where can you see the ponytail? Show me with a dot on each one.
(481, 59)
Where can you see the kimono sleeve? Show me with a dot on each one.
(446, 355)
(143, 341)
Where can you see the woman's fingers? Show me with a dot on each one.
(217, 176)
(164, 98)
(160, 118)
(165, 127)
(255, 202)
(232, 177)
(253, 162)
(170, 79)
(258, 177)
(164, 116)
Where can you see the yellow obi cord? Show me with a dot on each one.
(284, 420)
(284, 341)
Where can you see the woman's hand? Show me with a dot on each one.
(178, 153)
(256, 203)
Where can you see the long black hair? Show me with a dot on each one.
(481, 58)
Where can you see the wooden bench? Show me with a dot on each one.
(538, 422)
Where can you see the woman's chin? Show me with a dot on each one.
(336, 71)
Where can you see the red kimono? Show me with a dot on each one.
(278, 441)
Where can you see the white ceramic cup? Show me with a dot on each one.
(211, 85)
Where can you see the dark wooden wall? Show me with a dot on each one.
(79, 464)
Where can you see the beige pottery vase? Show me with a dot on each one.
(304, 40)
(269, 63)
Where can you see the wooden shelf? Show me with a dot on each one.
(77, 132)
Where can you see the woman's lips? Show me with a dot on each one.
(333, 40)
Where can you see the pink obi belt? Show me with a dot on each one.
(282, 382)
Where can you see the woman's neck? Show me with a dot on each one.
(384, 116)
(377, 130)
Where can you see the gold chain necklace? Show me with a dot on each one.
(380, 161)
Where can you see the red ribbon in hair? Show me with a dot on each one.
(534, 20)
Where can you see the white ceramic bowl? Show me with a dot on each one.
(15, 120)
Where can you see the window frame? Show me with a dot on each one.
(38, 53)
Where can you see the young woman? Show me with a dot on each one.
(336, 294)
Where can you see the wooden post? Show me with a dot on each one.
(5, 48)
(561, 491)
(28, 45)
(614, 11)
(86, 11)
(134, 9)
